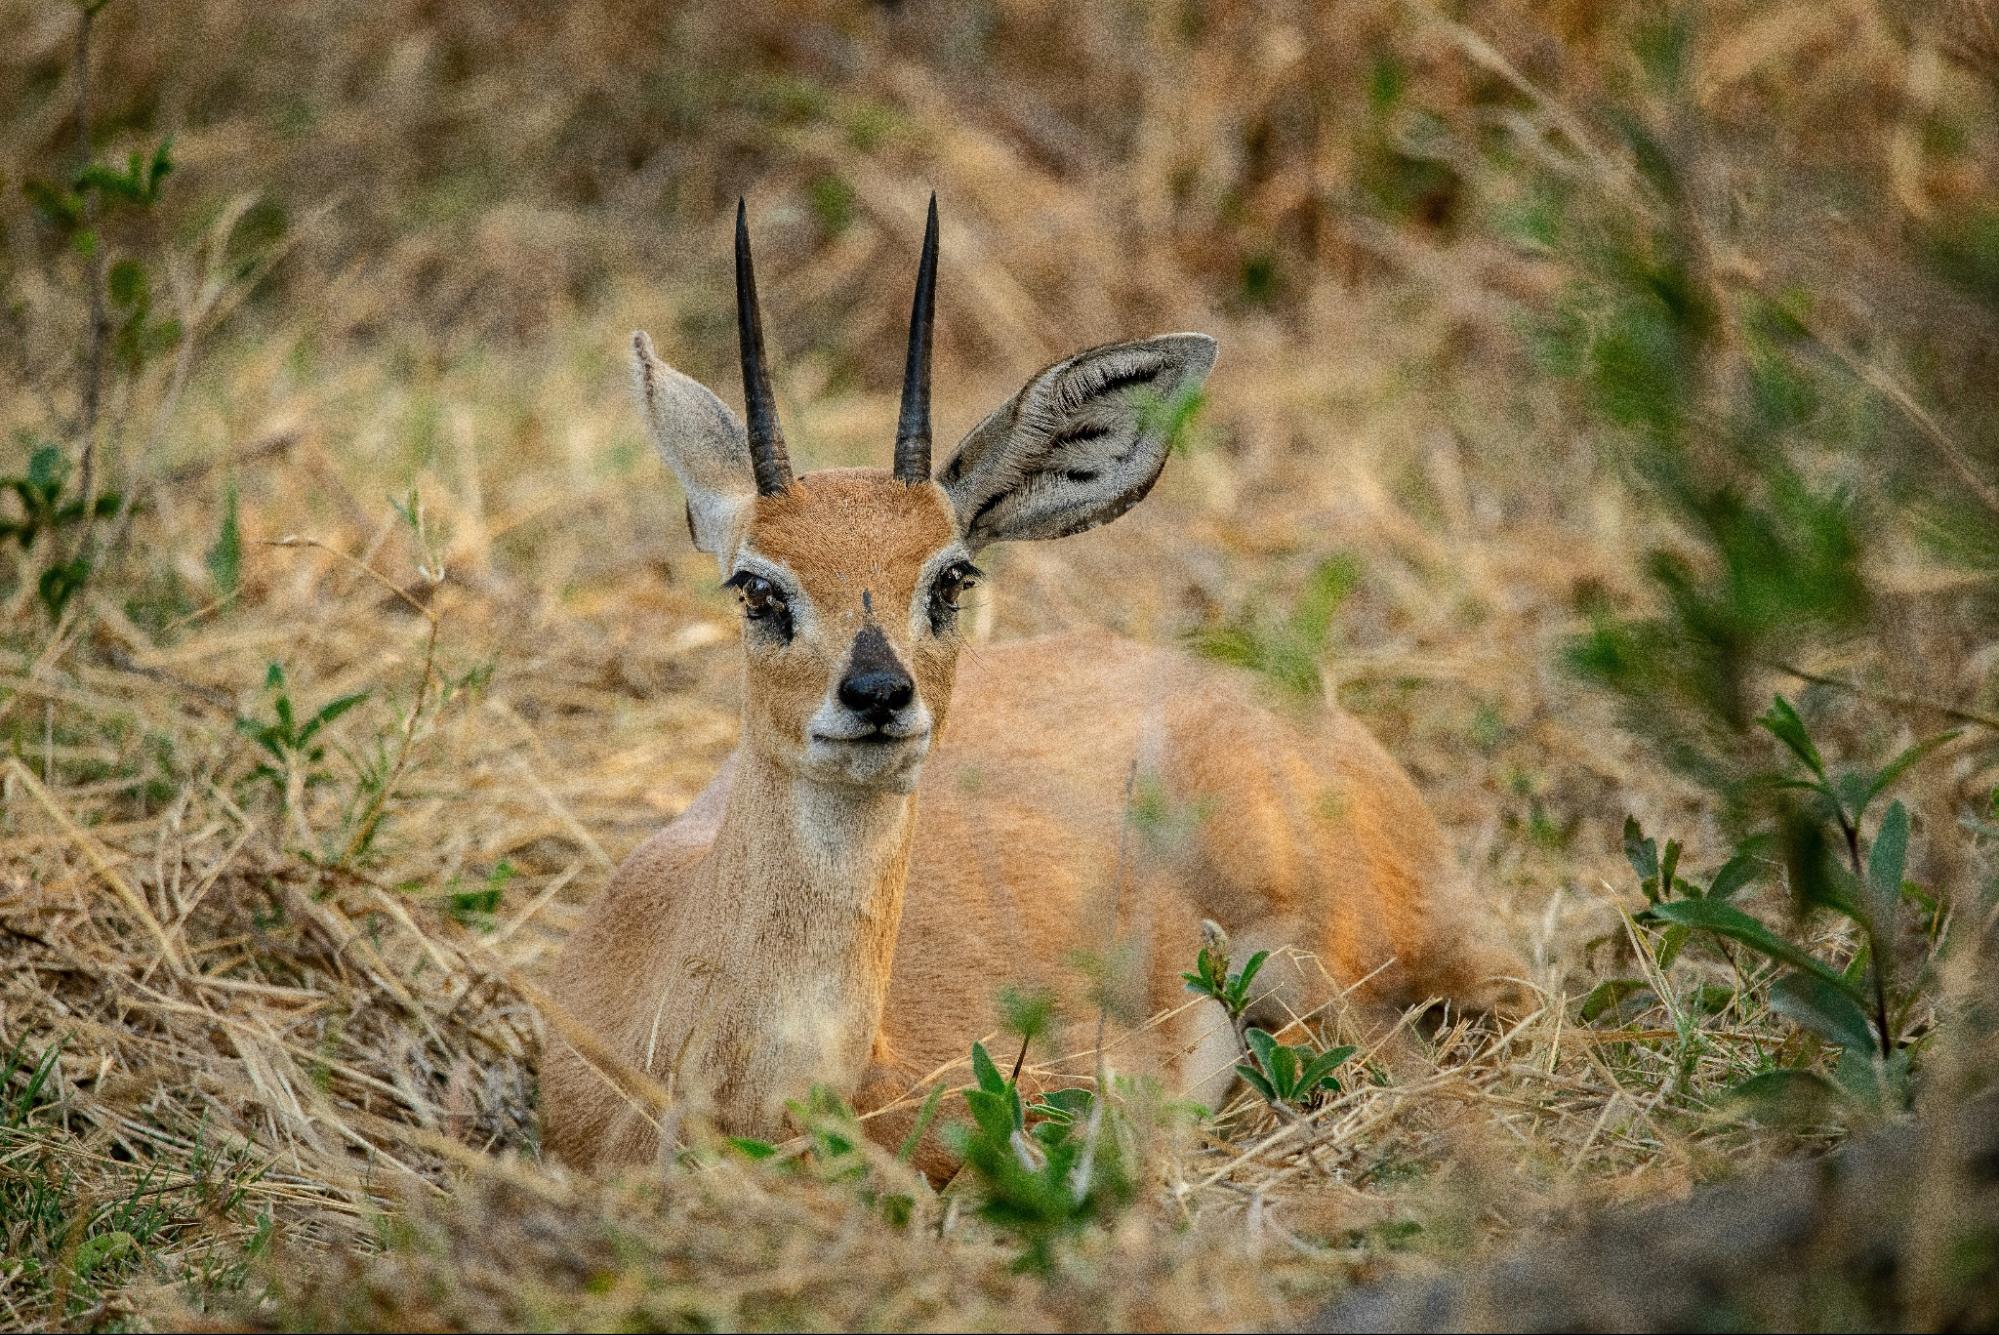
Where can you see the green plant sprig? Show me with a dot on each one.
(1847, 1007)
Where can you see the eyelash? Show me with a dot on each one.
(775, 613)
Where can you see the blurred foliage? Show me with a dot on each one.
(1045, 1168)
(1788, 460)
(1771, 422)
(1287, 648)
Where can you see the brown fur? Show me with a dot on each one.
(780, 933)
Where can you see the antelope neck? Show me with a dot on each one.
(827, 847)
(804, 899)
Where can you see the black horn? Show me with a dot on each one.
(912, 431)
(767, 456)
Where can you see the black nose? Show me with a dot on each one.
(875, 694)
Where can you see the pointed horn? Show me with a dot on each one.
(912, 432)
(767, 456)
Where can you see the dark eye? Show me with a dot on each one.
(762, 601)
(950, 586)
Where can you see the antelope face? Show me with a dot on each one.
(849, 582)
(849, 579)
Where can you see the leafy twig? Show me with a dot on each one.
(371, 816)
(1962, 713)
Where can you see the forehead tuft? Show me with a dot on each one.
(853, 524)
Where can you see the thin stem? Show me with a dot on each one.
(1741, 984)
(97, 333)
(1877, 966)
(371, 816)
(1110, 935)
(1018, 1062)
(1961, 713)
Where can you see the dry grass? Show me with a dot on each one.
(297, 1050)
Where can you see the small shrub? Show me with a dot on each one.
(1045, 1169)
(289, 741)
(1860, 1006)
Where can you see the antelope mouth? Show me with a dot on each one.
(878, 737)
(877, 759)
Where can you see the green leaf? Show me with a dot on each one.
(1849, 790)
(1262, 1044)
(124, 186)
(752, 1149)
(1255, 1080)
(1783, 723)
(1835, 887)
(1669, 866)
(984, 1071)
(330, 711)
(225, 558)
(127, 285)
(160, 167)
(1319, 1071)
(1788, 1096)
(1824, 1009)
(1887, 858)
(1786, 783)
(1283, 1067)
(59, 208)
(47, 470)
(1207, 975)
(991, 1112)
(1706, 915)
(1671, 942)
(1607, 995)
(1736, 873)
(102, 1248)
(924, 1117)
(1239, 987)
(1064, 1105)
(1873, 1082)
(1713, 998)
(61, 582)
(1640, 852)
(1900, 765)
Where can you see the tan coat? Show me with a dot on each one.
(911, 824)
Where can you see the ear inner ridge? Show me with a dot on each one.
(1082, 443)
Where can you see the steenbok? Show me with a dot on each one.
(899, 834)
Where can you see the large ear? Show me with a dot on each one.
(1079, 445)
(703, 443)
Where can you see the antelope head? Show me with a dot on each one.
(850, 579)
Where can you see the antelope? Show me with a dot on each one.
(906, 826)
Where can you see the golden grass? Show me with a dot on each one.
(481, 205)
